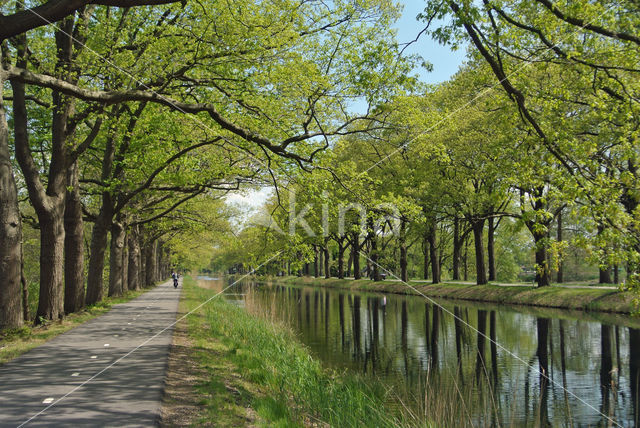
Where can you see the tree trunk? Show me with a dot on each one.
(142, 260)
(157, 273)
(404, 277)
(316, 266)
(560, 275)
(341, 249)
(50, 302)
(478, 229)
(325, 250)
(73, 245)
(125, 262)
(491, 256)
(11, 311)
(605, 275)
(355, 254)
(465, 259)
(433, 251)
(99, 235)
(605, 272)
(425, 252)
(116, 287)
(543, 274)
(457, 249)
(48, 203)
(25, 294)
(373, 254)
(150, 263)
(133, 268)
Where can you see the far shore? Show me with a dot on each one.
(571, 296)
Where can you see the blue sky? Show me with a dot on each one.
(445, 62)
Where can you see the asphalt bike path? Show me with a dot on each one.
(109, 371)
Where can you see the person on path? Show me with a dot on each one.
(175, 276)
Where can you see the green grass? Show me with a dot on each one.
(15, 342)
(275, 374)
(586, 299)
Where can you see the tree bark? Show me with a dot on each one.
(99, 235)
(73, 245)
(48, 203)
(142, 272)
(373, 255)
(605, 272)
(425, 252)
(457, 249)
(115, 259)
(605, 275)
(341, 249)
(325, 250)
(560, 274)
(465, 259)
(404, 277)
(491, 256)
(50, 302)
(150, 263)
(478, 229)
(316, 267)
(355, 254)
(433, 251)
(11, 311)
(25, 294)
(543, 273)
(133, 267)
(125, 261)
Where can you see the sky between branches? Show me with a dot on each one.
(445, 64)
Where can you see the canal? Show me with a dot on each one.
(471, 364)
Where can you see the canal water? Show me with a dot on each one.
(473, 364)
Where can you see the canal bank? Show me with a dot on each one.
(256, 372)
(560, 297)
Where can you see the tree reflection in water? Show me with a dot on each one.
(421, 349)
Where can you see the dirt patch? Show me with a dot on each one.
(202, 388)
(180, 403)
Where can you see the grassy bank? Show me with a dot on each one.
(253, 361)
(15, 342)
(585, 299)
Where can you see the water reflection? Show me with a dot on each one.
(567, 371)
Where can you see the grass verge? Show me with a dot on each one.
(15, 342)
(586, 299)
(255, 362)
